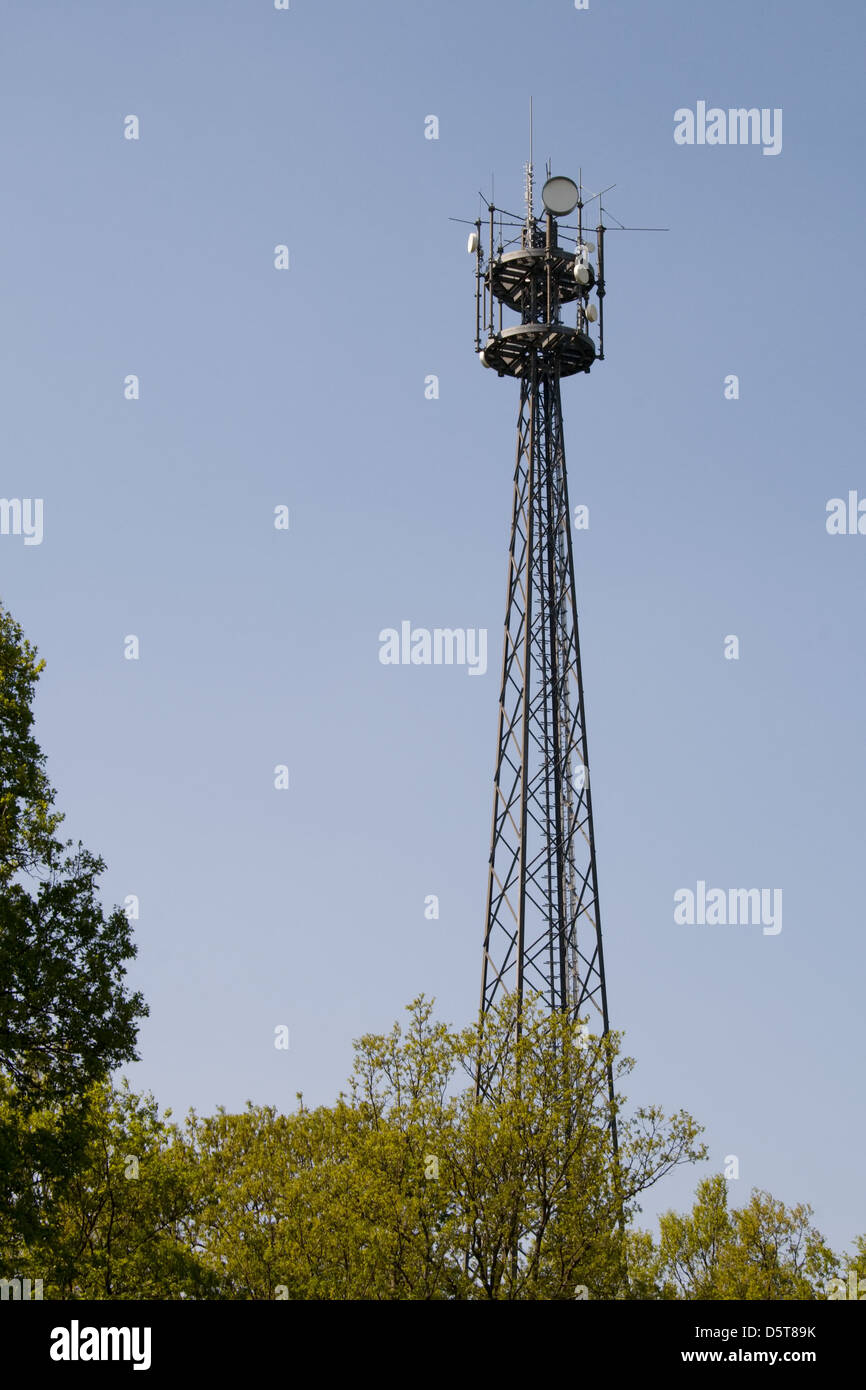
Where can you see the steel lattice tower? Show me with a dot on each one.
(543, 929)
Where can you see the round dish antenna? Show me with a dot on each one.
(560, 196)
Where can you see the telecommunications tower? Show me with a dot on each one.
(542, 931)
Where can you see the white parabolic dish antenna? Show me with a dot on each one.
(560, 196)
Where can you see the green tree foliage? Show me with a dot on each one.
(27, 822)
(66, 1017)
(763, 1250)
(123, 1224)
(856, 1261)
(409, 1188)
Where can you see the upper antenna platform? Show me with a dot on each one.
(560, 196)
(536, 269)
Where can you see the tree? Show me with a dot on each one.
(411, 1188)
(763, 1250)
(122, 1224)
(66, 1017)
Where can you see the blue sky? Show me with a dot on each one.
(305, 387)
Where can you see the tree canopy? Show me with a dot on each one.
(66, 1016)
(410, 1188)
(763, 1250)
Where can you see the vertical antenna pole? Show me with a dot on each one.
(478, 287)
(530, 147)
(600, 290)
(529, 216)
(489, 267)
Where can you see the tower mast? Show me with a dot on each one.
(542, 930)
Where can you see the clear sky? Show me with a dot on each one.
(305, 387)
